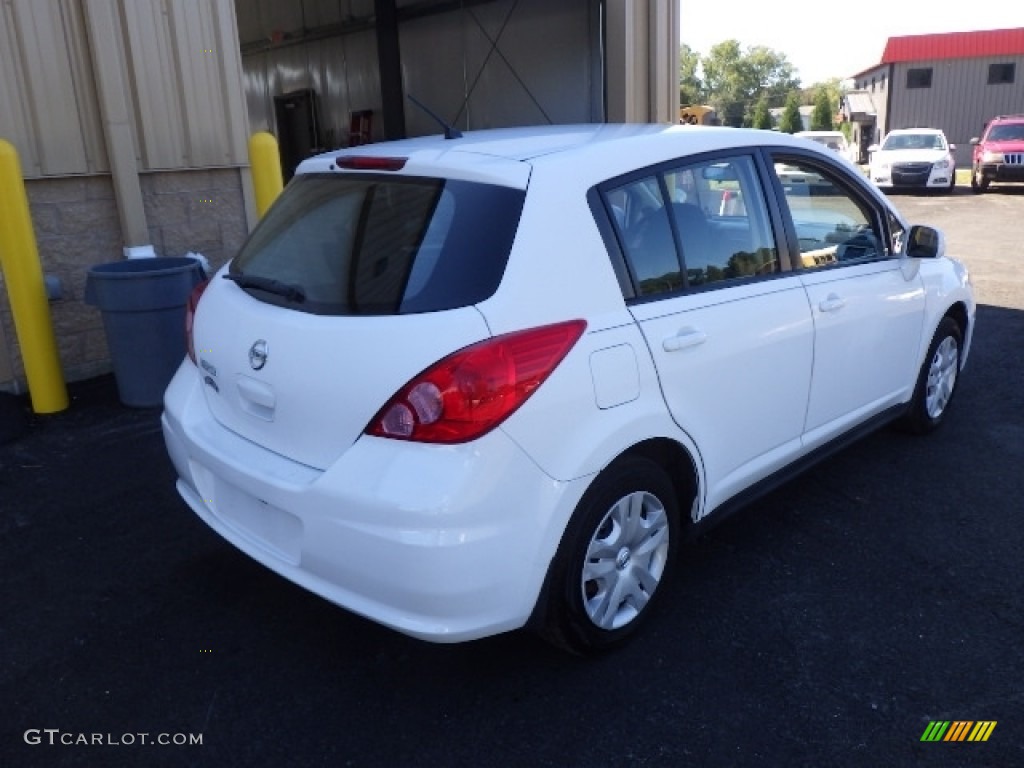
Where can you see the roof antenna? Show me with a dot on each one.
(450, 132)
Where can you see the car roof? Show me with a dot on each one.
(916, 130)
(505, 155)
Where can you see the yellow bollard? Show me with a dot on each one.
(23, 274)
(265, 161)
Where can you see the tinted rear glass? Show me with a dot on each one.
(380, 245)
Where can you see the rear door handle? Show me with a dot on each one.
(687, 337)
(832, 303)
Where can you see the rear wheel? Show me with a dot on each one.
(936, 384)
(616, 553)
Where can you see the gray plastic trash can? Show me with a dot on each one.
(143, 306)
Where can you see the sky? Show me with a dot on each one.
(826, 39)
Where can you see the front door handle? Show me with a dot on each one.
(832, 303)
(687, 337)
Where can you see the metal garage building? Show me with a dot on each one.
(131, 117)
(954, 81)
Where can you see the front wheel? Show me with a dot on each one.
(978, 181)
(616, 553)
(936, 383)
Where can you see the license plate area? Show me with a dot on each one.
(271, 528)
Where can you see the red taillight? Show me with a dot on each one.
(468, 393)
(190, 317)
(367, 163)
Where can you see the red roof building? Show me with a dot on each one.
(955, 45)
(955, 81)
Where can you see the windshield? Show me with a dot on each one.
(1007, 132)
(914, 141)
(371, 244)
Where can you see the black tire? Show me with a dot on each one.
(936, 383)
(978, 181)
(595, 603)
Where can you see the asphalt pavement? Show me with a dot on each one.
(830, 624)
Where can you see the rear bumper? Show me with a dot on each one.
(444, 543)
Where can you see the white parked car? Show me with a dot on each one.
(911, 158)
(462, 386)
(834, 140)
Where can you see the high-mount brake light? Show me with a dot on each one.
(369, 163)
(465, 395)
(190, 318)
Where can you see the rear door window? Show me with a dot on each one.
(702, 224)
(380, 245)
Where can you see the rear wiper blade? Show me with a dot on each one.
(268, 284)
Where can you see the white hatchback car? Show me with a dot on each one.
(913, 158)
(461, 386)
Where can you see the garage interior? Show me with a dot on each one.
(324, 74)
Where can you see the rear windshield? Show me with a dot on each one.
(380, 245)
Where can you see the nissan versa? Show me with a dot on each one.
(465, 385)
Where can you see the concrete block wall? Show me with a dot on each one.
(77, 226)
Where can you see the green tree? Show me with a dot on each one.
(762, 115)
(822, 117)
(734, 80)
(724, 79)
(834, 89)
(790, 121)
(691, 89)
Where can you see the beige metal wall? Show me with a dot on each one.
(182, 68)
(48, 106)
(642, 61)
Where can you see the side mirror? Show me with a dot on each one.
(925, 243)
(952, 147)
(975, 140)
(873, 148)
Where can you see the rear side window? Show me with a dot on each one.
(694, 226)
(380, 245)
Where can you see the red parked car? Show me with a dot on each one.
(999, 154)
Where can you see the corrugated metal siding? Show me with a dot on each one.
(959, 101)
(185, 70)
(47, 96)
(189, 108)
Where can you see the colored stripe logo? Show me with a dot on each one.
(959, 730)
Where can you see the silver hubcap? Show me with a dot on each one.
(625, 560)
(941, 377)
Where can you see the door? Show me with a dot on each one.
(730, 333)
(867, 312)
